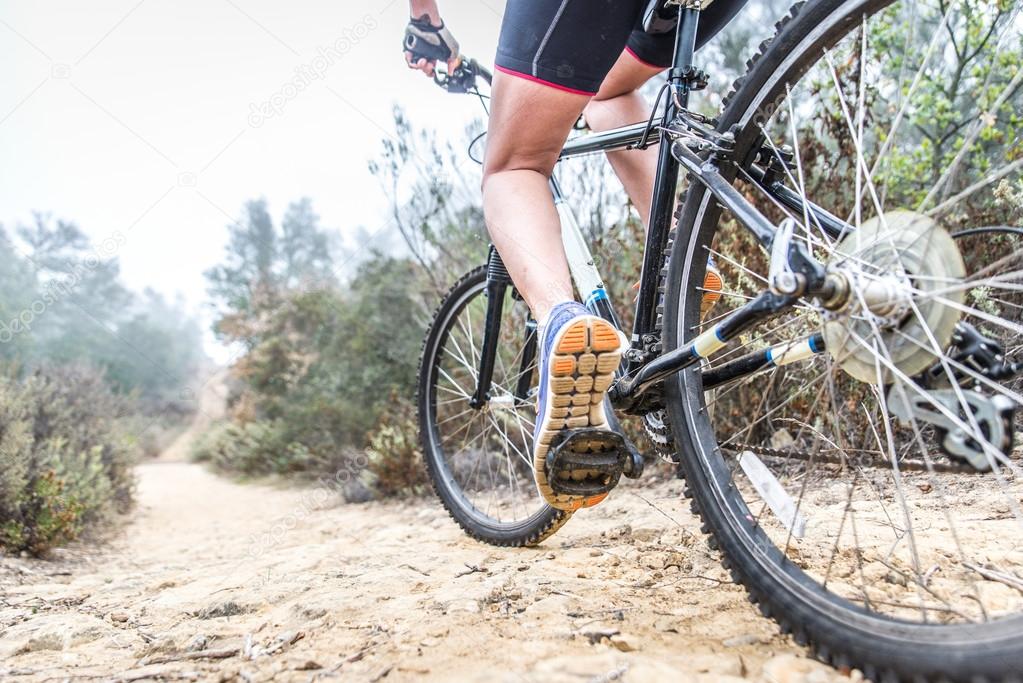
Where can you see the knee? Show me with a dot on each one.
(603, 113)
(540, 162)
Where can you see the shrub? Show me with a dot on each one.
(319, 372)
(395, 459)
(65, 457)
(249, 448)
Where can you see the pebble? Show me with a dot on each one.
(745, 639)
(624, 643)
(199, 642)
(789, 668)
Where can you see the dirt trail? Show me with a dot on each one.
(288, 584)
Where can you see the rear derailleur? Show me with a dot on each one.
(990, 413)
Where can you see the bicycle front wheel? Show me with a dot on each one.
(869, 497)
(479, 458)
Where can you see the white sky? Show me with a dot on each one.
(134, 116)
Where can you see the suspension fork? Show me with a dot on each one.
(498, 282)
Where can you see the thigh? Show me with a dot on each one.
(569, 44)
(628, 74)
(529, 123)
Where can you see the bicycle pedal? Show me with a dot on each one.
(586, 462)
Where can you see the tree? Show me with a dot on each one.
(261, 263)
(252, 252)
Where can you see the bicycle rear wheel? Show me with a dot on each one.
(479, 459)
(869, 497)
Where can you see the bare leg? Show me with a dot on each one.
(529, 123)
(619, 103)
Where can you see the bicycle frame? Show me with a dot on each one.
(646, 366)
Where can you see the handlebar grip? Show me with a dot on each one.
(421, 49)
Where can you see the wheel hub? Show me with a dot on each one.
(902, 270)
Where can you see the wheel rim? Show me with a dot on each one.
(482, 455)
(912, 572)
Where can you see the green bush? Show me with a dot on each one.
(322, 367)
(250, 448)
(65, 457)
(394, 457)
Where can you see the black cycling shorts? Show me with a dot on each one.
(572, 44)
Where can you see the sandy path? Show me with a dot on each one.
(294, 586)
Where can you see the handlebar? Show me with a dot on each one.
(463, 78)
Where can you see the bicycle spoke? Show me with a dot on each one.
(881, 496)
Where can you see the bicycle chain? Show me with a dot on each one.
(861, 460)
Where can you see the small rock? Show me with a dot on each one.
(119, 617)
(308, 665)
(666, 625)
(624, 643)
(199, 642)
(896, 578)
(229, 608)
(745, 639)
(789, 668)
(598, 634)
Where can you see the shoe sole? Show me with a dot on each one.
(585, 355)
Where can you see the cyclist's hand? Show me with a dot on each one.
(426, 44)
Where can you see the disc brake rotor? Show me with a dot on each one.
(921, 265)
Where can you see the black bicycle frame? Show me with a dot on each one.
(646, 366)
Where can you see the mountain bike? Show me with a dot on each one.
(845, 419)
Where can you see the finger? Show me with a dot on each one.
(409, 60)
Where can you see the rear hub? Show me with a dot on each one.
(903, 272)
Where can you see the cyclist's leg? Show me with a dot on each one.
(579, 352)
(552, 57)
(619, 103)
(529, 123)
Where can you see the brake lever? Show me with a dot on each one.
(459, 80)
